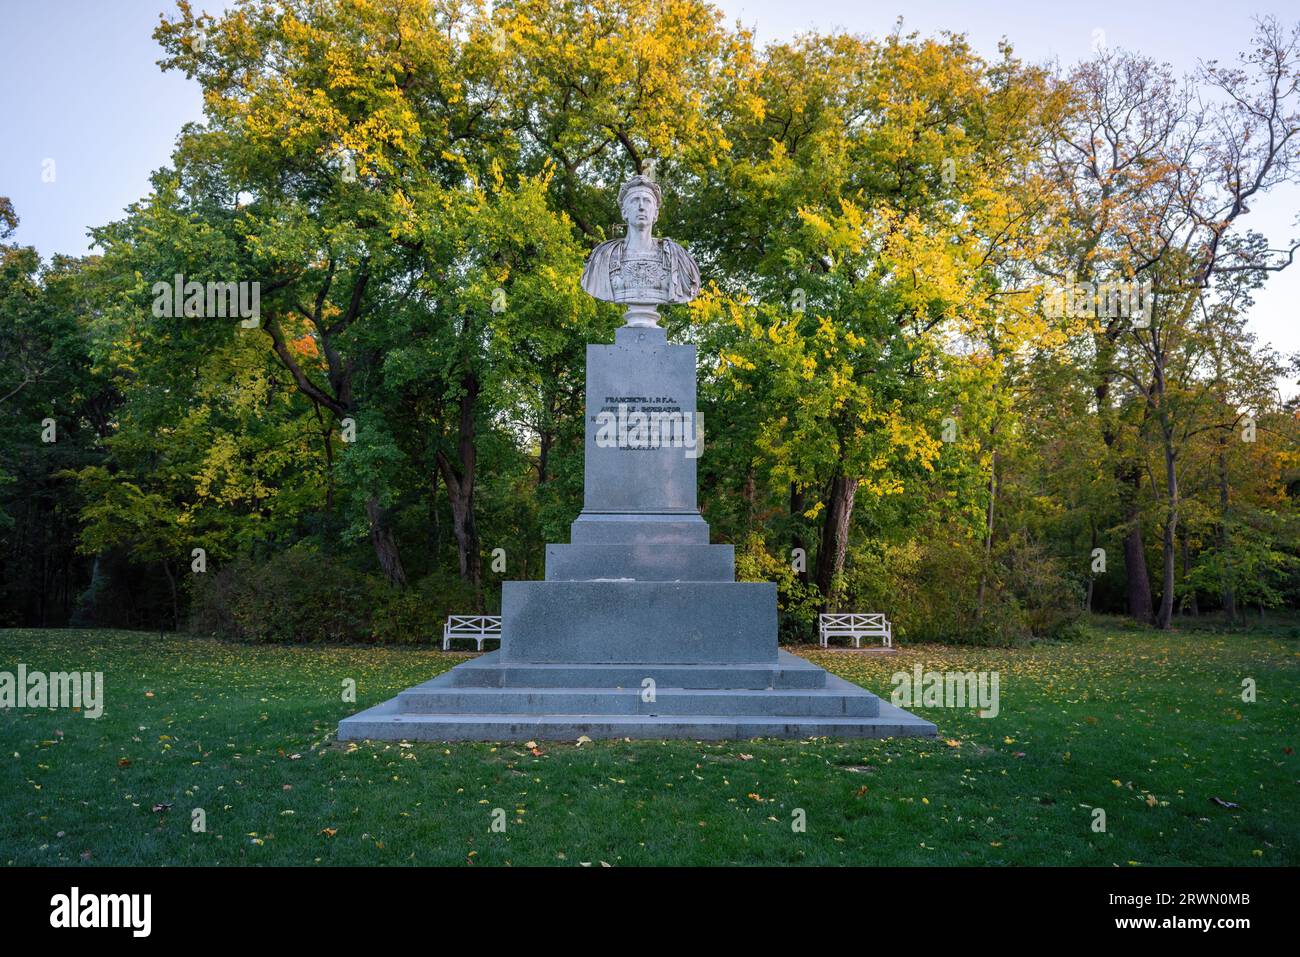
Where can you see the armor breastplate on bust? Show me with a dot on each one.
(640, 277)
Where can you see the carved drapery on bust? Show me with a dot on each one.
(667, 275)
(638, 269)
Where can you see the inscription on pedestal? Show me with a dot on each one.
(643, 434)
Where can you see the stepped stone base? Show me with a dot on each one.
(491, 699)
(639, 629)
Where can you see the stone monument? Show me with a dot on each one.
(639, 629)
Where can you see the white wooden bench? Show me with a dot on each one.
(478, 628)
(857, 627)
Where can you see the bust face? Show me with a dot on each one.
(640, 210)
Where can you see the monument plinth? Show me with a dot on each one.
(639, 628)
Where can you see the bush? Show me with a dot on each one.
(297, 597)
(929, 588)
(303, 596)
(797, 602)
(414, 616)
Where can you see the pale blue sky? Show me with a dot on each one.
(79, 85)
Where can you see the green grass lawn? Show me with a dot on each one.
(1149, 727)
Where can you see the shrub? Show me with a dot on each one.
(303, 596)
(300, 596)
(414, 616)
(797, 602)
(929, 587)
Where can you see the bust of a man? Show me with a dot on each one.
(638, 269)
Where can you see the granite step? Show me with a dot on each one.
(788, 672)
(666, 563)
(838, 699)
(384, 722)
(627, 622)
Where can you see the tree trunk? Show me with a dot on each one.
(796, 536)
(1225, 565)
(835, 534)
(381, 537)
(1170, 540)
(327, 441)
(1135, 556)
(1128, 480)
(546, 439)
(460, 494)
(1092, 577)
(1189, 606)
(171, 584)
(546, 436)
(459, 478)
(988, 536)
(435, 514)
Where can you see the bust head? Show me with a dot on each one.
(639, 200)
(638, 270)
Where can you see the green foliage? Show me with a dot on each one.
(415, 186)
(299, 596)
(305, 596)
(930, 588)
(54, 408)
(798, 599)
(415, 615)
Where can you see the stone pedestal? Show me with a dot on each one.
(640, 582)
(639, 628)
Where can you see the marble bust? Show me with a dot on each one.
(638, 269)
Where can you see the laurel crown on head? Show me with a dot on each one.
(644, 182)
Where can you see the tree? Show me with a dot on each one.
(1152, 180)
(876, 205)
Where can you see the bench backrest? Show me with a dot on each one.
(853, 621)
(473, 624)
